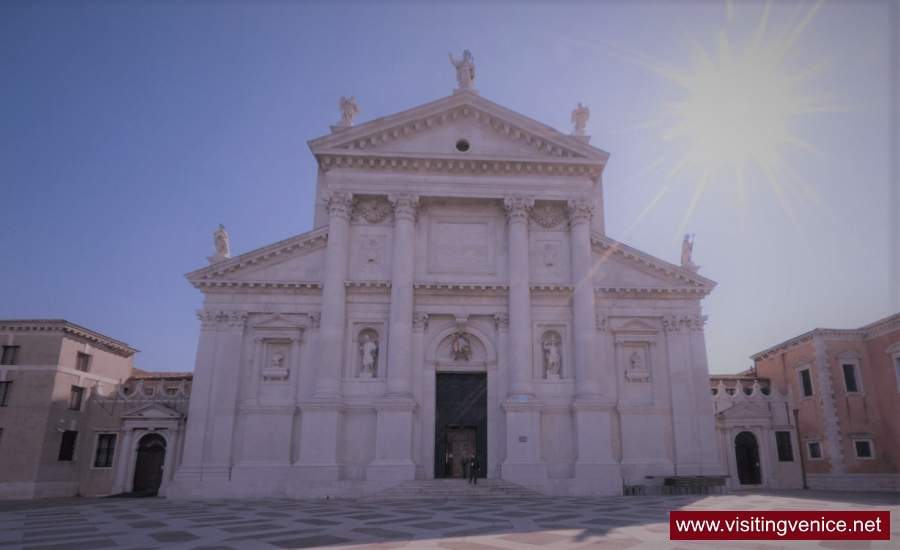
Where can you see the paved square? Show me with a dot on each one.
(617, 523)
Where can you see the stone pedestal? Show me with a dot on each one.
(394, 444)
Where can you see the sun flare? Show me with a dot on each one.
(736, 114)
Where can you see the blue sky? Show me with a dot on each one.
(129, 130)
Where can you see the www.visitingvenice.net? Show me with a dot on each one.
(790, 525)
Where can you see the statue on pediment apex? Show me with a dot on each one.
(465, 70)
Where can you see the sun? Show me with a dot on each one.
(738, 105)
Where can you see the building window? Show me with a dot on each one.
(851, 377)
(82, 362)
(863, 449)
(76, 398)
(814, 450)
(1, 436)
(10, 355)
(106, 447)
(4, 393)
(67, 445)
(897, 370)
(806, 383)
(783, 444)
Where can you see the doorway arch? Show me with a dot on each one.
(148, 467)
(746, 455)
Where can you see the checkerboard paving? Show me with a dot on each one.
(617, 523)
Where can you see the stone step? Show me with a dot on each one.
(456, 489)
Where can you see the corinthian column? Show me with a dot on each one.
(583, 307)
(596, 469)
(399, 368)
(520, 360)
(523, 462)
(396, 412)
(320, 418)
(334, 295)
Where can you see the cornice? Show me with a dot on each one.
(460, 286)
(65, 327)
(452, 164)
(222, 284)
(858, 334)
(651, 292)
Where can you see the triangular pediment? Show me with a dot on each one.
(154, 411)
(747, 410)
(620, 268)
(637, 326)
(433, 130)
(276, 321)
(299, 259)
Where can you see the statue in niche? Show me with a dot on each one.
(687, 248)
(221, 239)
(369, 350)
(636, 371)
(349, 110)
(580, 116)
(461, 348)
(465, 70)
(552, 355)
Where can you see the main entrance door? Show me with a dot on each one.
(460, 422)
(148, 469)
(746, 454)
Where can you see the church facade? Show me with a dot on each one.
(457, 296)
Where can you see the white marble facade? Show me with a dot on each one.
(455, 237)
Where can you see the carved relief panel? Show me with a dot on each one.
(370, 252)
(461, 244)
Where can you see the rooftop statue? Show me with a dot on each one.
(221, 239)
(687, 248)
(580, 116)
(465, 70)
(349, 110)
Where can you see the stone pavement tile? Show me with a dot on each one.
(316, 521)
(484, 530)
(315, 541)
(146, 524)
(174, 536)
(607, 543)
(276, 534)
(846, 544)
(434, 525)
(382, 533)
(387, 545)
(456, 544)
(535, 538)
(80, 545)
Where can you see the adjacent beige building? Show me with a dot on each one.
(72, 409)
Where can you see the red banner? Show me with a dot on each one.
(780, 525)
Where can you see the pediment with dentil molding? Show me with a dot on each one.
(747, 410)
(436, 129)
(620, 266)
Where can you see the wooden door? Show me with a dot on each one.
(460, 444)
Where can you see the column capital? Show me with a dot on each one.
(315, 318)
(580, 210)
(406, 206)
(517, 208)
(338, 203)
(209, 319)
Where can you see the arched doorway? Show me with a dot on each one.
(148, 468)
(746, 454)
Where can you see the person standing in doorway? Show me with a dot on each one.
(473, 468)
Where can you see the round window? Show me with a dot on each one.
(462, 146)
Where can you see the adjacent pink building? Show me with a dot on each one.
(846, 397)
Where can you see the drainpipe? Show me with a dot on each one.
(800, 447)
